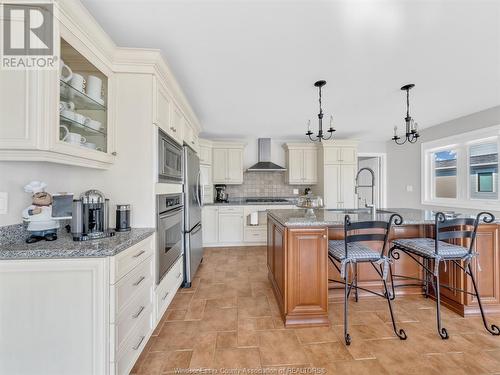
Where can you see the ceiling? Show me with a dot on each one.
(248, 67)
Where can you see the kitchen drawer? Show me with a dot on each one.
(125, 261)
(256, 234)
(167, 288)
(129, 286)
(132, 313)
(134, 344)
(233, 209)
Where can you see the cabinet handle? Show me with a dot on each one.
(136, 315)
(141, 279)
(173, 129)
(139, 254)
(114, 153)
(165, 296)
(179, 275)
(324, 236)
(139, 343)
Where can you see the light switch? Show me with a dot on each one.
(4, 198)
(409, 188)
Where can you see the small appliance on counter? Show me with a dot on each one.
(220, 194)
(90, 217)
(122, 218)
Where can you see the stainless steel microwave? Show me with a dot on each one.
(169, 159)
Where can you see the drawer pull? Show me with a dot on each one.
(139, 343)
(136, 315)
(165, 296)
(141, 279)
(139, 254)
(179, 275)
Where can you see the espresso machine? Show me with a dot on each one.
(90, 219)
(220, 194)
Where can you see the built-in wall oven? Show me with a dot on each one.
(169, 159)
(170, 227)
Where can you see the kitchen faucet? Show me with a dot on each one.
(372, 186)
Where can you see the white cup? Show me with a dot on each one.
(65, 72)
(66, 106)
(78, 117)
(93, 124)
(73, 138)
(94, 87)
(68, 113)
(78, 82)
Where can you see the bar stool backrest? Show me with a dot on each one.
(468, 228)
(375, 224)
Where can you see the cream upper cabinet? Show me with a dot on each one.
(302, 163)
(205, 153)
(191, 137)
(162, 107)
(177, 125)
(227, 163)
(67, 119)
(340, 155)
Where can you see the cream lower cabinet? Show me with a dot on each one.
(82, 315)
(302, 163)
(230, 225)
(210, 225)
(227, 163)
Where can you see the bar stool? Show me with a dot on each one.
(351, 251)
(427, 251)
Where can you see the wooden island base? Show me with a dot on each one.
(299, 269)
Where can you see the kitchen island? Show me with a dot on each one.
(299, 269)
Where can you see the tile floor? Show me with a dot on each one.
(229, 319)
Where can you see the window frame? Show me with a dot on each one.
(461, 144)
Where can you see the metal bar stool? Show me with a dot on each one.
(428, 251)
(352, 251)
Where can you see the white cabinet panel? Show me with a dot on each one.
(332, 182)
(177, 124)
(340, 181)
(347, 178)
(227, 165)
(209, 224)
(205, 155)
(235, 166)
(310, 166)
(295, 166)
(162, 107)
(219, 166)
(348, 155)
(230, 227)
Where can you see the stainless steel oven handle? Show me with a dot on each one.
(170, 213)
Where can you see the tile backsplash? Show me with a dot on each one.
(263, 184)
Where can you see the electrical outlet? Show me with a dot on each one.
(409, 188)
(4, 199)
(295, 191)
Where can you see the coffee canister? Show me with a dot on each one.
(122, 217)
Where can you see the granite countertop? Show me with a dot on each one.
(323, 217)
(65, 247)
(242, 202)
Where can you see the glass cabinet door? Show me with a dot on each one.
(82, 101)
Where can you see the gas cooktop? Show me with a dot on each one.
(266, 200)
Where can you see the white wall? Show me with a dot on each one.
(129, 180)
(403, 162)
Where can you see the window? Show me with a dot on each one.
(483, 172)
(462, 170)
(445, 169)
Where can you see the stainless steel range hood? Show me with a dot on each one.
(265, 164)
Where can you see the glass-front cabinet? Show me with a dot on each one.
(83, 119)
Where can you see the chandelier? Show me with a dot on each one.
(411, 126)
(319, 137)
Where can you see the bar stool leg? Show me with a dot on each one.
(494, 330)
(347, 337)
(356, 282)
(442, 331)
(401, 333)
(426, 277)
